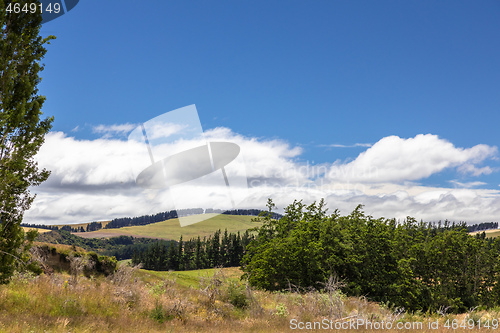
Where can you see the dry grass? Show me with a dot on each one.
(134, 300)
(490, 233)
(39, 230)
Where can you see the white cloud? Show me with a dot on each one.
(337, 145)
(87, 162)
(473, 170)
(393, 159)
(95, 179)
(164, 130)
(467, 184)
(117, 129)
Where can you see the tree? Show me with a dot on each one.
(22, 131)
(418, 266)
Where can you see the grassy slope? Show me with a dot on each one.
(189, 278)
(134, 302)
(84, 225)
(489, 233)
(41, 231)
(171, 229)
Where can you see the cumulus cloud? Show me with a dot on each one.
(95, 179)
(86, 162)
(394, 159)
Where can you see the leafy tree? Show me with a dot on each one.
(418, 266)
(21, 129)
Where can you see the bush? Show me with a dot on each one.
(237, 296)
(158, 314)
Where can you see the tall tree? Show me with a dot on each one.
(22, 130)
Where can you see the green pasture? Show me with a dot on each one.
(189, 278)
(171, 229)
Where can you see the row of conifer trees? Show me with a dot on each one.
(220, 249)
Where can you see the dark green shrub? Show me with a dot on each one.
(158, 314)
(237, 295)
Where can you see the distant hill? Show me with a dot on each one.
(41, 231)
(171, 229)
(491, 233)
(482, 226)
(145, 219)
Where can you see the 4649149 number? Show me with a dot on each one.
(32, 8)
(471, 323)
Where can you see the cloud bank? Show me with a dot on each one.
(95, 179)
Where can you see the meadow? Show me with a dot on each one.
(492, 233)
(171, 229)
(214, 300)
(41, 231)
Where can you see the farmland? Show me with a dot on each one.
(171, 229)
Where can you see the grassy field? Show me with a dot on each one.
(84, 225)
(189, 278)
(41, 231)
(214, 300)
(76, 225)
(491, 233)
(171, 229)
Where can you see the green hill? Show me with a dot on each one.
(171, 229)
(490, 233)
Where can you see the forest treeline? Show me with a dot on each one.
(92, 226)
(414, 265)
(149, 219)
(220, 249)
(482, 226)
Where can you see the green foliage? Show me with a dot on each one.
(76, 262)
(158, 314)
(69, 307)
(22, 131)
(194, 253)
(281, 310)
(121, 247)
(157, 288)
(236, 295)
(413, 265)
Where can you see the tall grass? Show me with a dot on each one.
(133, 300)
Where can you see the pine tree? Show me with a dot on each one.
(180, 255)
(215, 245)
(224, 250)
(173, 262)
(198, 254)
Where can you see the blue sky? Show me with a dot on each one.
(313, 76)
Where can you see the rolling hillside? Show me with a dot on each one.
(491, 233)
(171, 229)
(41, 231)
